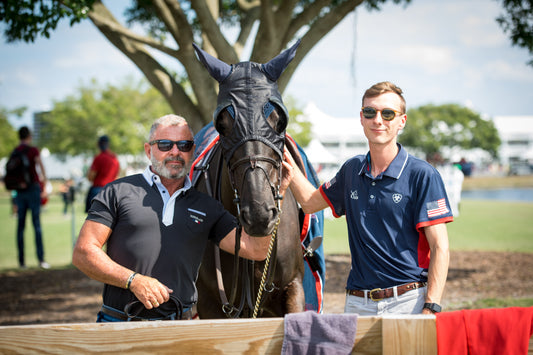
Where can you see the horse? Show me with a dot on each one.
(251, 120)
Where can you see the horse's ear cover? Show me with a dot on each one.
(277, 65)
(216, 68)
(247, 87)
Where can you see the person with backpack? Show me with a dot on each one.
(29, 197)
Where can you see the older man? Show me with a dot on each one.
(156, 226)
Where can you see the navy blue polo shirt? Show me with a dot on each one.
(386, 216)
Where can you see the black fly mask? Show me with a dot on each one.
(251, 120)
(249, 93)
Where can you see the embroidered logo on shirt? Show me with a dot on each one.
(354, 195)
(196, 215)
(436, 208)
(396, 198)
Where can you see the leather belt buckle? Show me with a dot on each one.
(371, 294)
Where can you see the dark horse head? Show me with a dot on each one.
(251, 120)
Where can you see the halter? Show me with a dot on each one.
(253, 161)
(253, 164)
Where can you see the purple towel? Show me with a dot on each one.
(313, 333)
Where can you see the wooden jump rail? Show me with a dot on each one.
(375, 335)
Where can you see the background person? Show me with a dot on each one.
(30, 199)
(396, 209)
(67, 192)
(156, 227)
(103, 170)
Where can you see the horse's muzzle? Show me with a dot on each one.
(258, 219)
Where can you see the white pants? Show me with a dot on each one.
(411, 302)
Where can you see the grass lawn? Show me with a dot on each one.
(58, 232)
(482, 225)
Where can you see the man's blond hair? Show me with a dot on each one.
(382, 88)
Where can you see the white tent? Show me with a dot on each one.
(318, 154)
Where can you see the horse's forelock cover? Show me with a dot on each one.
(247, 87)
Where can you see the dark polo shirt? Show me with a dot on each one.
(140, 241)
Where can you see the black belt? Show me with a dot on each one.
(378, 294)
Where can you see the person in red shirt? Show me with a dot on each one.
(104, 169)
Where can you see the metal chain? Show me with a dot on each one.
(265, 269)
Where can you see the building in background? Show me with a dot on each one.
(516, 150)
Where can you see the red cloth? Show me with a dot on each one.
(106, 166)
(485, 331)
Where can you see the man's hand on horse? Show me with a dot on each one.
(289, 169)
(150, 291)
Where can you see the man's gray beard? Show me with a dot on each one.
(161, 169)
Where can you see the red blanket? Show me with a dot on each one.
(485, 331)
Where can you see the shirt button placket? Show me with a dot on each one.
(372, 195)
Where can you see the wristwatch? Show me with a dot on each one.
(433, 307)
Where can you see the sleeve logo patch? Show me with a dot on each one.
(436, 208)
(328, 184)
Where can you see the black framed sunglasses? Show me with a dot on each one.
(165, 145)
(387, 114)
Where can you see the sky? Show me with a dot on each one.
(438, 52)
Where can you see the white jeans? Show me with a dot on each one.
(411, 302)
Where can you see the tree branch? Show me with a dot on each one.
(167, 17)
(282, 22)
(156, 74)
(316, 32)
(246, 6)
(306, 17)
(106, 20)
(247, 22)
(265, 40)
(211, 30)
(184, 36)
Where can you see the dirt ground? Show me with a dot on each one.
(67, 296)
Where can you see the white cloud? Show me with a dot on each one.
(25, 77)
(432, 59)
(481, 31)
(91, 53)
(503, 70)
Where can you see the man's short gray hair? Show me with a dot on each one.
(168, 120)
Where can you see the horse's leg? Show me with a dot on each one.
(209, 305)
(295, 297)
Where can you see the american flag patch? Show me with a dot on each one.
(328, 184)
(436, 208)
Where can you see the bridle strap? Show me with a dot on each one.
(228, 306)
(253, 159)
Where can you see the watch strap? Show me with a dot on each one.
(433, 307)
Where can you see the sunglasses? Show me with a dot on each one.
(387, 114)
(165, 145)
